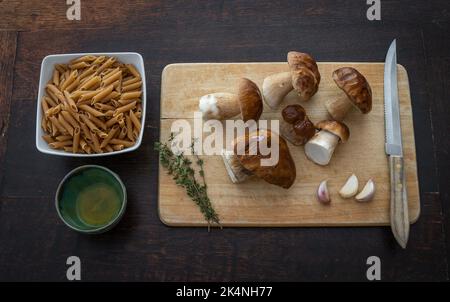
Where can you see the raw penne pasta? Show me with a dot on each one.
(48, 138)
(131, 95)
(98, 122)
(72, 76)
(135, 121)
(133, 70)
(79, 65)
(91, 83)
(73, 107)
(92, 105)
(50, 101)
(91, 110)
(55, 77)
(96, 143)
(110, 136)
(59, 145)
(65, 124)
(70, 119)
(114, 77)
(116, 141)
(59, 95)
(87, 58)
(102, 94)
(89, 123)
(99, 60)
(115, 119)
(88, 95)
(86, 131)
(74, 85)
(76, 139)
(131, 87)
(129, 127)
(105, 107)
(123, 102)
(105, 65)
(130, 81)
(89, 71)
(56, 124)
(123, 132)
(63, 138)
(44, 106)
(118, 147)
(125, 108)
(61, 68)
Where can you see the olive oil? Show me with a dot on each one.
(91, 199)
(97, 204)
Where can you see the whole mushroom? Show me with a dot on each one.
(320, 148)
(295, 125)
(356, 93)
(223, 105)
(303, 76)
(242, 166)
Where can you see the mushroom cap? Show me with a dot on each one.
(305, 128)
(250, 100)
(293, 113)
(305, 74)
(282, 174)
(355, 86)
(337, 128)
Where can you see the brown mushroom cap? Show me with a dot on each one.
(250, 100)
(282, 174)
(355, 85)
(305, 128)
(337, 128)
(293, 113)
(305, 74)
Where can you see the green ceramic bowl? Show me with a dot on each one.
(91, 199)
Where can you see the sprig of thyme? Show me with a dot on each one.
(180, 167)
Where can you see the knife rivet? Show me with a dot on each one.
(399, 186)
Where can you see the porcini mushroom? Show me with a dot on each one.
(242, 166)
(295, 125)
(223, 105)
(320, 148)
(303, 76)
(356, 93)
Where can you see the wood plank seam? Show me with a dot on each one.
(8, 52)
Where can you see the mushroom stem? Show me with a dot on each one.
(320, 148)
(220, 105)
(276, 87)
(235, 169)
(339, 107)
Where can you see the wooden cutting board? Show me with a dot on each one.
(256, 203)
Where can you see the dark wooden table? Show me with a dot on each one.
(34, 243)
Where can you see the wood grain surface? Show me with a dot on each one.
(255, 203)
(34, 243)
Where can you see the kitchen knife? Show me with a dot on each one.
(399, 201)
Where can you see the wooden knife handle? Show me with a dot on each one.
(399, 201)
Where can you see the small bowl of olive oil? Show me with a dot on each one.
(91, 199)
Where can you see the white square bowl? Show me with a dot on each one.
(47, 67)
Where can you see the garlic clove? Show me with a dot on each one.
(367, 193)
(322, 193)
(350, 188)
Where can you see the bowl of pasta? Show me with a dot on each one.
(91, 104)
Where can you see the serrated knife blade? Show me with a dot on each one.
(399, 201)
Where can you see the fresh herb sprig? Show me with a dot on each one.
(180, 167)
